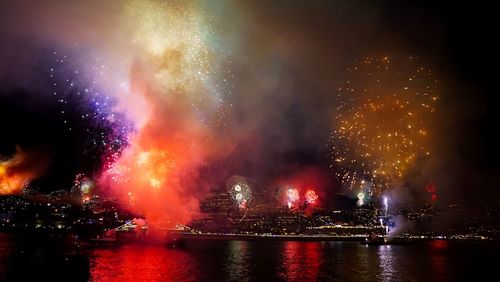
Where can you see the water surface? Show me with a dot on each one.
(53, 258)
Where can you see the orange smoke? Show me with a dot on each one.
(17, 171)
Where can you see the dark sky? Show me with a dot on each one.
(466, 49)
(313, 41)
(460, 38)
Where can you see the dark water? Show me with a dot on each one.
(53, 258)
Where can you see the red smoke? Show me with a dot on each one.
(157, 176)
(431, 189)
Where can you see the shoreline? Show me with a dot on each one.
(188, 236)
(271, 237)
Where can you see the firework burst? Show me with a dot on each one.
(381, 126)
(239, 190)
(289, 197)
(181, 55)
(311, 197)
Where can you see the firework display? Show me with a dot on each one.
(173, 38)
(150, 103)
(239, 191)
(82, 185)
(311, 197)
(292, 198)
(88, 88)
(289, 197)
(175, 96)
(381, 126)
(223, 140)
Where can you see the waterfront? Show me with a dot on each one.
(53, 258)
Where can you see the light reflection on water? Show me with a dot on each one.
(300, 261)
(248, 261)
(237, 265)
(142, 263)
(387, 263)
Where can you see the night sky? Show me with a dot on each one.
(264, 105)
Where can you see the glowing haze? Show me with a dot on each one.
(166, 100)
(156, 62)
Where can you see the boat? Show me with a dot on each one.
(107, 238)
(174, 240)
(375, 240)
